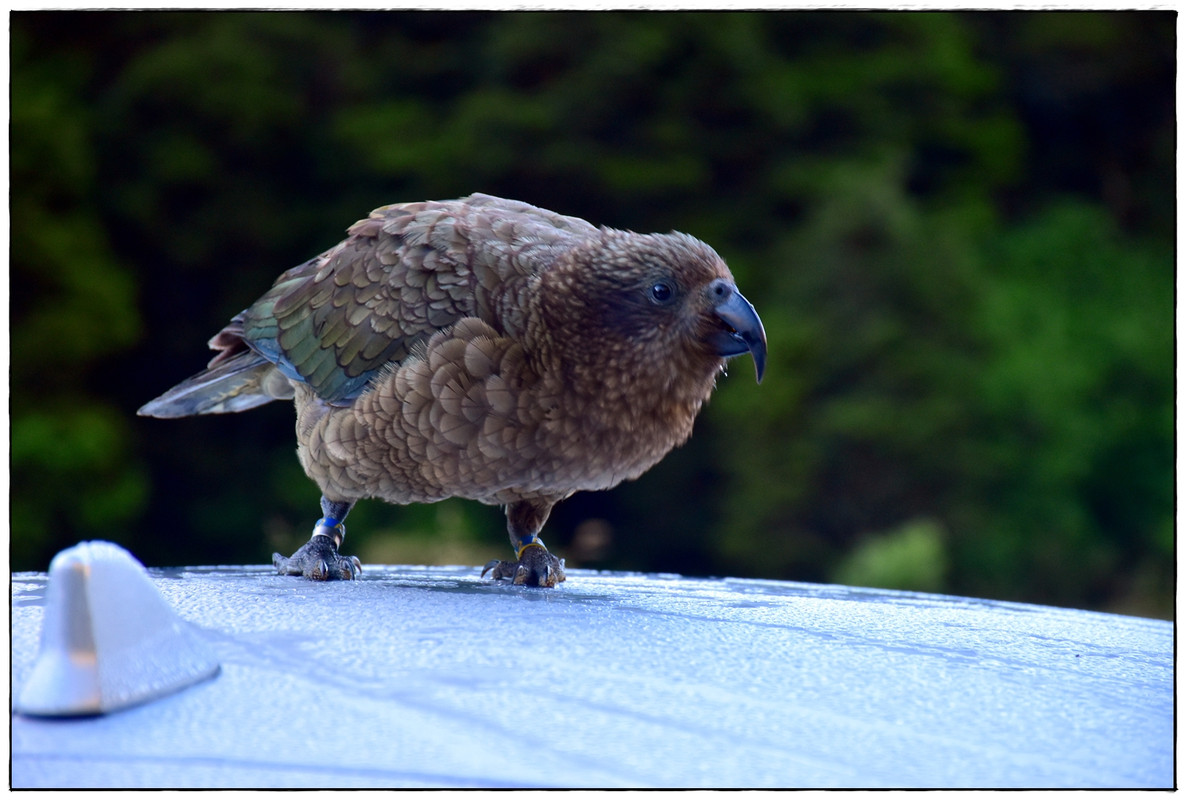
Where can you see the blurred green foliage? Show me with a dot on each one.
(958, 228)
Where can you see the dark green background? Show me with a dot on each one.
(958, 229)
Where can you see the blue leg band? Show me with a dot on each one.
(331, 528)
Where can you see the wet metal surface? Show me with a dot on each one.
(421, 677)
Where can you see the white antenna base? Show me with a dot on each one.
(109, 640)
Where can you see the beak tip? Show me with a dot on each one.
(759, 362)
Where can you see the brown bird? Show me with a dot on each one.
(480, 348)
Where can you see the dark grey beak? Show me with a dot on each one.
(741, 330)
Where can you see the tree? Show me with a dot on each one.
(957, 228)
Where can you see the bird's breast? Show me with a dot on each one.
(471, 417)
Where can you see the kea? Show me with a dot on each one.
(479, 348)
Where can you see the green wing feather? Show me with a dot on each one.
(403, 273)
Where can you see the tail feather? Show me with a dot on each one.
(236, 384)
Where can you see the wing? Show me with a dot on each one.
(402, 274)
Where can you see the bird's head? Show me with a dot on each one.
(657, 304)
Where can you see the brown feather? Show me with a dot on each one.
(507, 354)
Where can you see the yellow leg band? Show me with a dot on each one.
(532, 543)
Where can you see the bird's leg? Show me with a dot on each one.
(318, 559)
(534, 565)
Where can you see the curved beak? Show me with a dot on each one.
(741, 329)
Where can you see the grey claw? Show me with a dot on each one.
(318, 560)
(534, 569)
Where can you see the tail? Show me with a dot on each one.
(235, 384)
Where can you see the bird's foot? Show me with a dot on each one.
(535, 567)
(318, 559)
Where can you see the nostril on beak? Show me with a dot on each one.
(720, 289)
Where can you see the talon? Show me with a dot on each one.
(535, 567)
(319, 560)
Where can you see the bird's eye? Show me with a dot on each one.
(662, 293)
